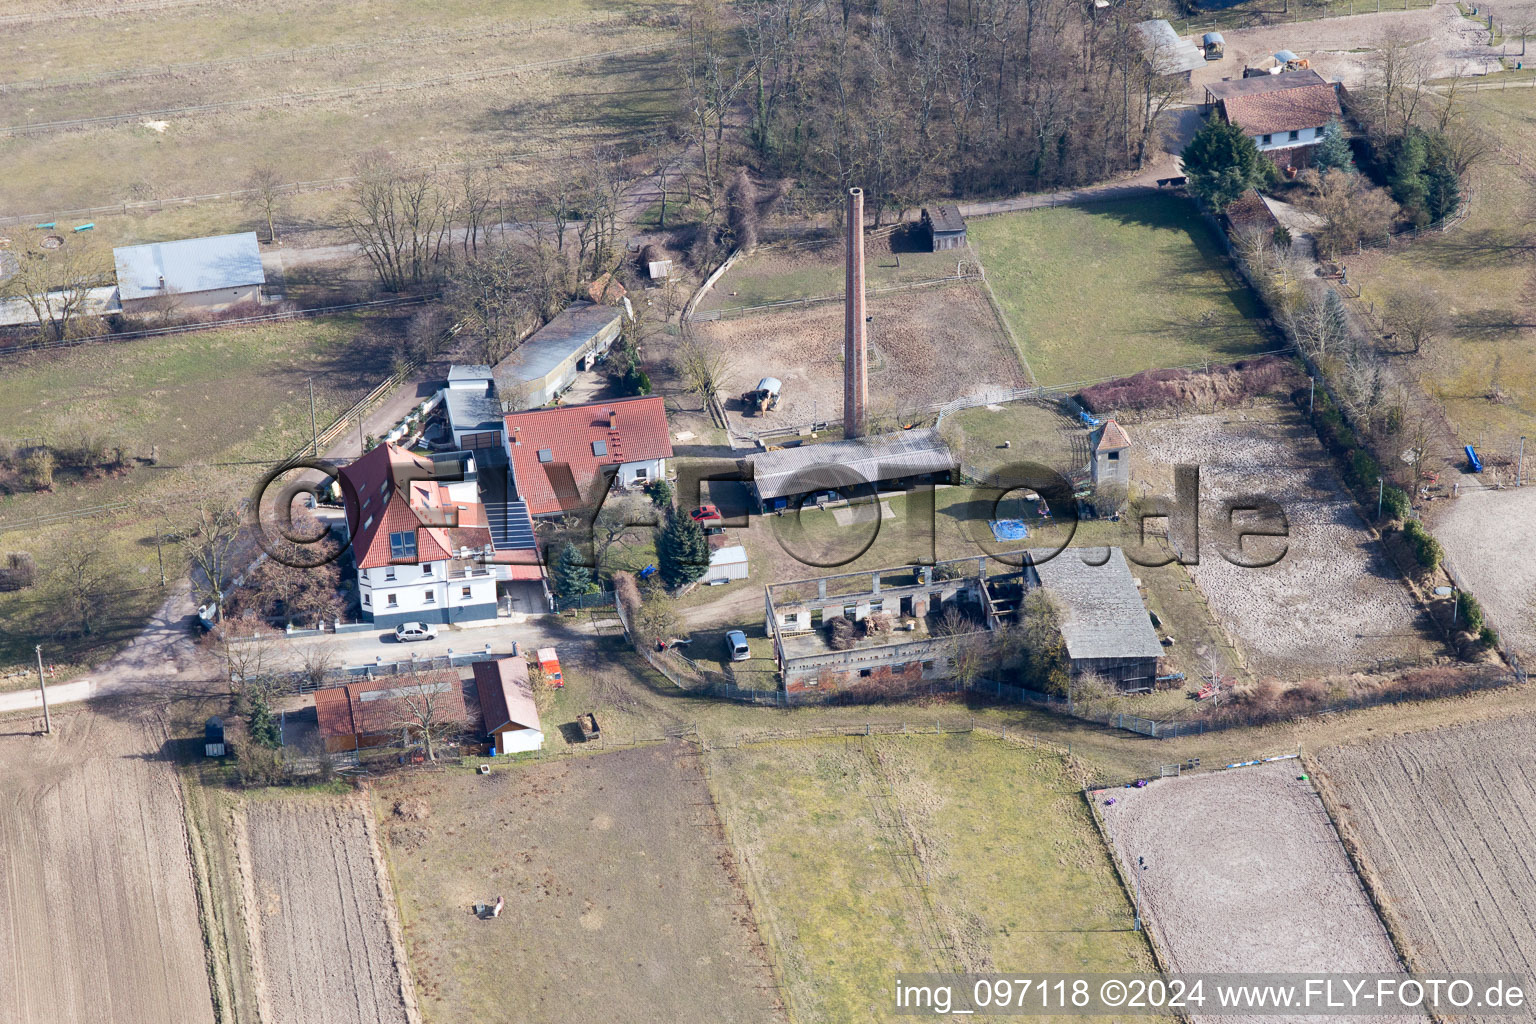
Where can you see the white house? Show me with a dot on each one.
(209, 273)
(506, 705)
(420, 538)
(560, 457)
(473, 408)
(1284, 114)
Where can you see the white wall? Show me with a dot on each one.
(1283, 140)
(415, 589)
(516, 741)
(630, 472)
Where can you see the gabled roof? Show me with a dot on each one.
(375, 708)
(945, 218)
(390, 490)
(1112, 437)
(1218, 91)
(818, 467)
(189, 265)
(1289, 101)
(576, 442)
(1166, 52)
(1102, 613)
(506, 695)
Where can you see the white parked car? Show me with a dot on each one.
(736, 643)
(408, 631)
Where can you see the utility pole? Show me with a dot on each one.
(42, 689)
(1312, 394)
(1380, 487)
(314, 434)
(1141, 865)
(158, 556)
(1520, 464)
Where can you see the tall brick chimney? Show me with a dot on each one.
(855, 350)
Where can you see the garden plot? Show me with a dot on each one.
(1443, 823)
(1333, 603)
(1245, 874)
(926, 347)
(321, 919)
(1490, 537)
(98, 911)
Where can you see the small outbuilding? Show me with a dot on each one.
(213, 737)
(945, 227)
(208, 273)
(506, 705)
(727, 562)
(848, 470)
(546, 364)
(1111, 454)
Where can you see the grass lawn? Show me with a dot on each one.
(1017, 878)
(211, 405)
(1115, 288)
(1481, 283)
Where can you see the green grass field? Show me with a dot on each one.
(1481, 282)
(1115, 288)
(1008, 874)
(263, 64)
(211, 404)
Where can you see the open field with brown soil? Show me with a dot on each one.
(1244, 873)
(327, 949)
(1333, 603)
(1441, 821)
(304, 87)
(1490, 540)
(621, 897)
(871, 856)
(925, 347)
(98, 907)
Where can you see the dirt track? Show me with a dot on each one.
(1332, 604)
(1244, 874)
(1445, 822)
(98, 917)
(1490, 539)
(318, 917)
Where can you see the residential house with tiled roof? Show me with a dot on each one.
(1284, 114)
(379, 711)
(562, 458)
(420, 538)
(507, 709)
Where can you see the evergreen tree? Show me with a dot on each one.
(1333, 151)
(1222, 163)
(1335, 320)
(660, 493)
(264, 731)
(682, 551)
(572, 578)
(1407, 162)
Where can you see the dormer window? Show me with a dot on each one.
(402, 545)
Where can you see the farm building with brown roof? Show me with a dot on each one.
(1283, 114)
(379, 711)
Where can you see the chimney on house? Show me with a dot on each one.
(613, 419)
(517, 436)
(855, 351)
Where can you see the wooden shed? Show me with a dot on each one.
(945, 227)
(213, 737)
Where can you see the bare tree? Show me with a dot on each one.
(266, 197)
(1417, 315)
(423, 709)
(250, 650)
(1397, 71)
(476, 195)
(657, 620)
(704, 370)
(741, 206)
(399, 220)
(317, 661)
(84, 579)
(56, 285)
(619, 517)
(208, 526)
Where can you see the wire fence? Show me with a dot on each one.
(732, 312)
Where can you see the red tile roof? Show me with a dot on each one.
(1113, 437)
(376, 707)
(572, 478)
(1283, 110)
(506, 695)
(390, 490)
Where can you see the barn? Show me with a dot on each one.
(945, 227)
(506, 705)
(1104, 622)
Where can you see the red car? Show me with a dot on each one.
(704, 513)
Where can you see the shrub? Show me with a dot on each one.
(1395, 504)
(19, 572)
(1363, 470)
(841, 634)
(660, 493)
(1469, 612)
(1426, 550)
(37, 470)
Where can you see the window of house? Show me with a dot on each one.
(464, 591)
(1114, 456)
(865, 673)
(389, 574)
(599, 447)
(431, 597)
(367, 522)
(391, 600)
(1266, 140)
(1295, 135)
(367, 600)
(426, 568)
(402, 545)
(929, 666)
(642, 473)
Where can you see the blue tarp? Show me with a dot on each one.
(1009, 529)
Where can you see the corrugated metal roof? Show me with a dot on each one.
(1169, 54)
(817, 467)
(98, 302)
(188, 266)
(557, 341)
(1102, 613)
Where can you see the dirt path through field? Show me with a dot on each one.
(318, 911)
(98, 912)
